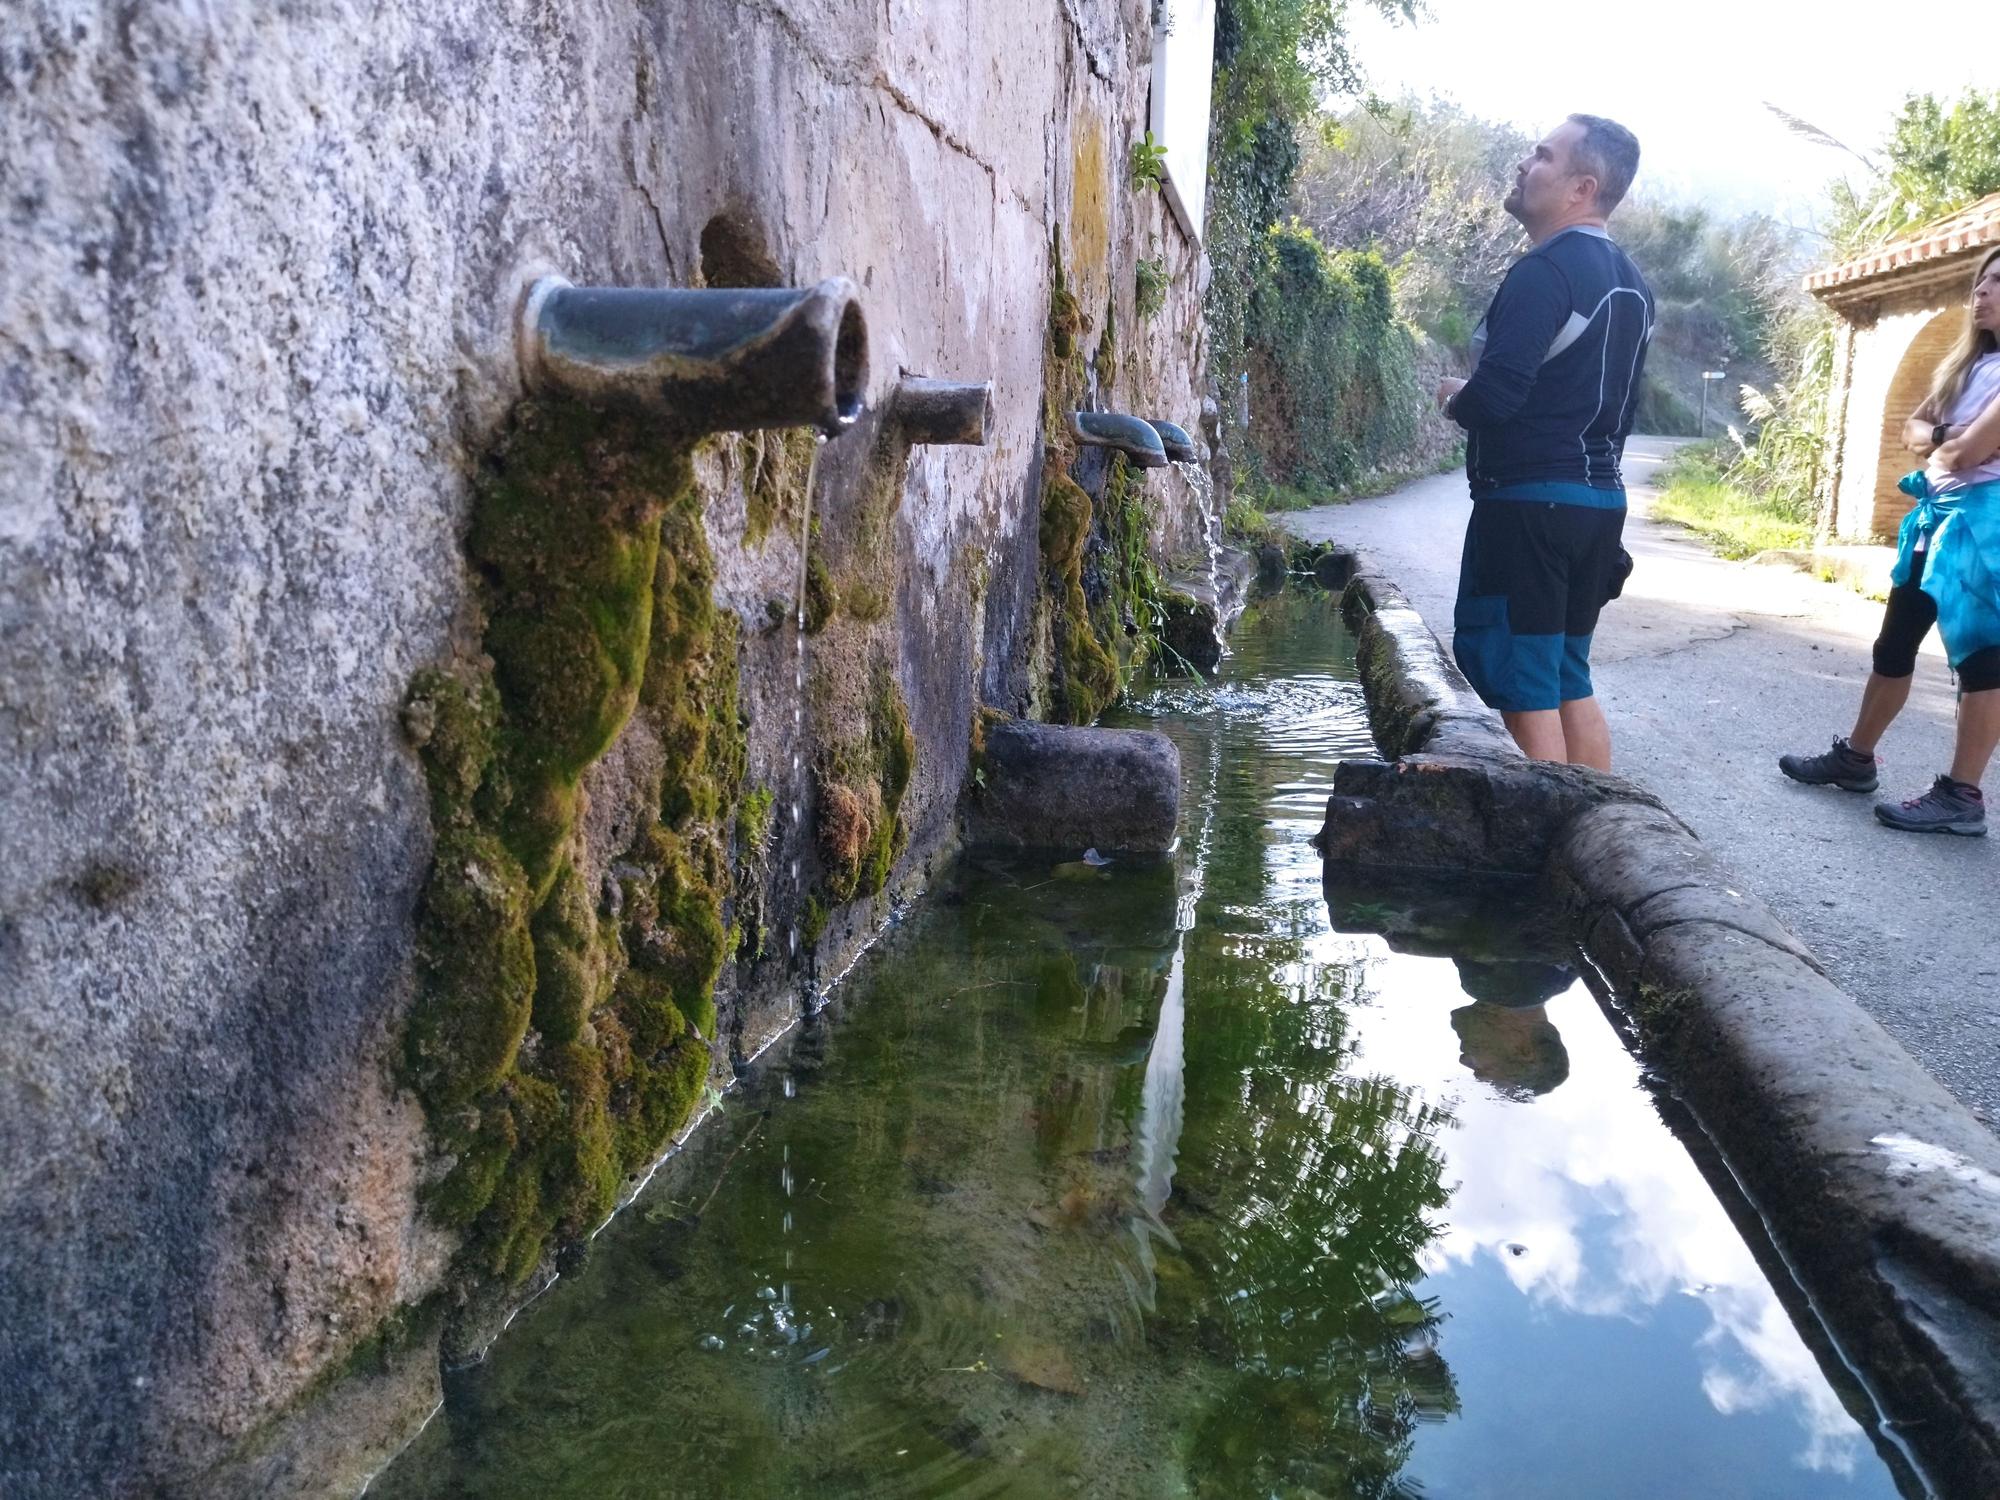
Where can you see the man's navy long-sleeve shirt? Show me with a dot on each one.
(1554, 391)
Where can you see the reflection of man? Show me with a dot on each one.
(1505, 1036)
(1546, 412)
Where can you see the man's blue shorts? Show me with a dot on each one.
(1538, 566)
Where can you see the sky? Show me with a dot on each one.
(1691, 78)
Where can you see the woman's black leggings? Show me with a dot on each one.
(1908, 619)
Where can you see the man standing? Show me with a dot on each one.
(1554, 386)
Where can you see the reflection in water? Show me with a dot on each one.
(1146, 1181)
(1576, 1205)
(1512, 1047)
(1160, 1098)
(1505, 1036)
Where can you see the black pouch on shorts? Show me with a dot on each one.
(1621, 570)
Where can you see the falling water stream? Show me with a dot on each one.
(799, 683)
(1186, 1178)
(1197, 478)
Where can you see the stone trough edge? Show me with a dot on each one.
(1881, 1189)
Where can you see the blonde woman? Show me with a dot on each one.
(1947, 574)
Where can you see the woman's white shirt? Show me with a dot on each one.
(1982, 388)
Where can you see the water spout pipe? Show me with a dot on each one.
(943, 411)
(723, 360)
(1177, 440)
(1130, 436)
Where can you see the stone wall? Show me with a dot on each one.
(260, 271)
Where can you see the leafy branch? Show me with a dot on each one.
(1148, 165)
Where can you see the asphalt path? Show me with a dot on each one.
(1709, 670)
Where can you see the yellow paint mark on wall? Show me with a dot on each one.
(1089, 237)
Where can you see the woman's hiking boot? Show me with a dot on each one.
(1948, 807)
(1843, 766)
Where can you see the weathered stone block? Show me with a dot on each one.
(1432, 812)
(1200, 607)
(1050, 787)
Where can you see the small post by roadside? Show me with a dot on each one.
(1706, 377)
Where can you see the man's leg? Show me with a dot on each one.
(1538, 732)
(1596, 555)
(1507, 624)
(1585, 733)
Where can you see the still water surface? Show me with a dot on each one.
(1181, 1181)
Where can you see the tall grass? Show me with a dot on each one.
(1783, 462)
(1699, 490)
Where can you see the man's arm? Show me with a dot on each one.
(1533, 304)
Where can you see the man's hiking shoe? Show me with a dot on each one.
(1948, 807)
(1842, 766)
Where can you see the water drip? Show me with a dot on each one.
(799, 634)
(805, 548)
(1211, 527)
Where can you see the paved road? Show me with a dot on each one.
(1708, 670)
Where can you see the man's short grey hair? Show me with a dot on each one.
(1610, 153)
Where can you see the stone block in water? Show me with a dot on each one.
(1051, 787)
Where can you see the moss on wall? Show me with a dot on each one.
(864, 753)
(776, 467)
(861, 775)
(822, 593)
(1100, 590)
(557, 1039)
(1087, 672)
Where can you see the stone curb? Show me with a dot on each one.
(1880, 1188)
(1865, 569)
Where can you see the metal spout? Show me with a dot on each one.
(943, 411)
(1177, 440)
(1129, 435)
(726, 360)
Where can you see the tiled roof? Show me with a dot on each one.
(1973, 226)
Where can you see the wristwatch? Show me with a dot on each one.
(1938, 434)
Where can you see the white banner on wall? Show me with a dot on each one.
(1183, 73)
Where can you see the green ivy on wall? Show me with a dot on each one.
(1333, 378)
(1331, 375)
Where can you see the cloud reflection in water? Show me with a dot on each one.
(1585, 1201)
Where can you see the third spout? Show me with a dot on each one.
(1176, 439)
(1131, 436)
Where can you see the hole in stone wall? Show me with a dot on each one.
(733, 254)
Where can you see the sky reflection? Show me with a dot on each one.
(1583, 1200)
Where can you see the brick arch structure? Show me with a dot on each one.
(1907, 387)
(1899, 308)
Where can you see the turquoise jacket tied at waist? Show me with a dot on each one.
(1950, 544)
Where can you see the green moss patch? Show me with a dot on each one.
(862, 775)
(1100, 590)
(776, 467)
(557, 1039)
(822, 593)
